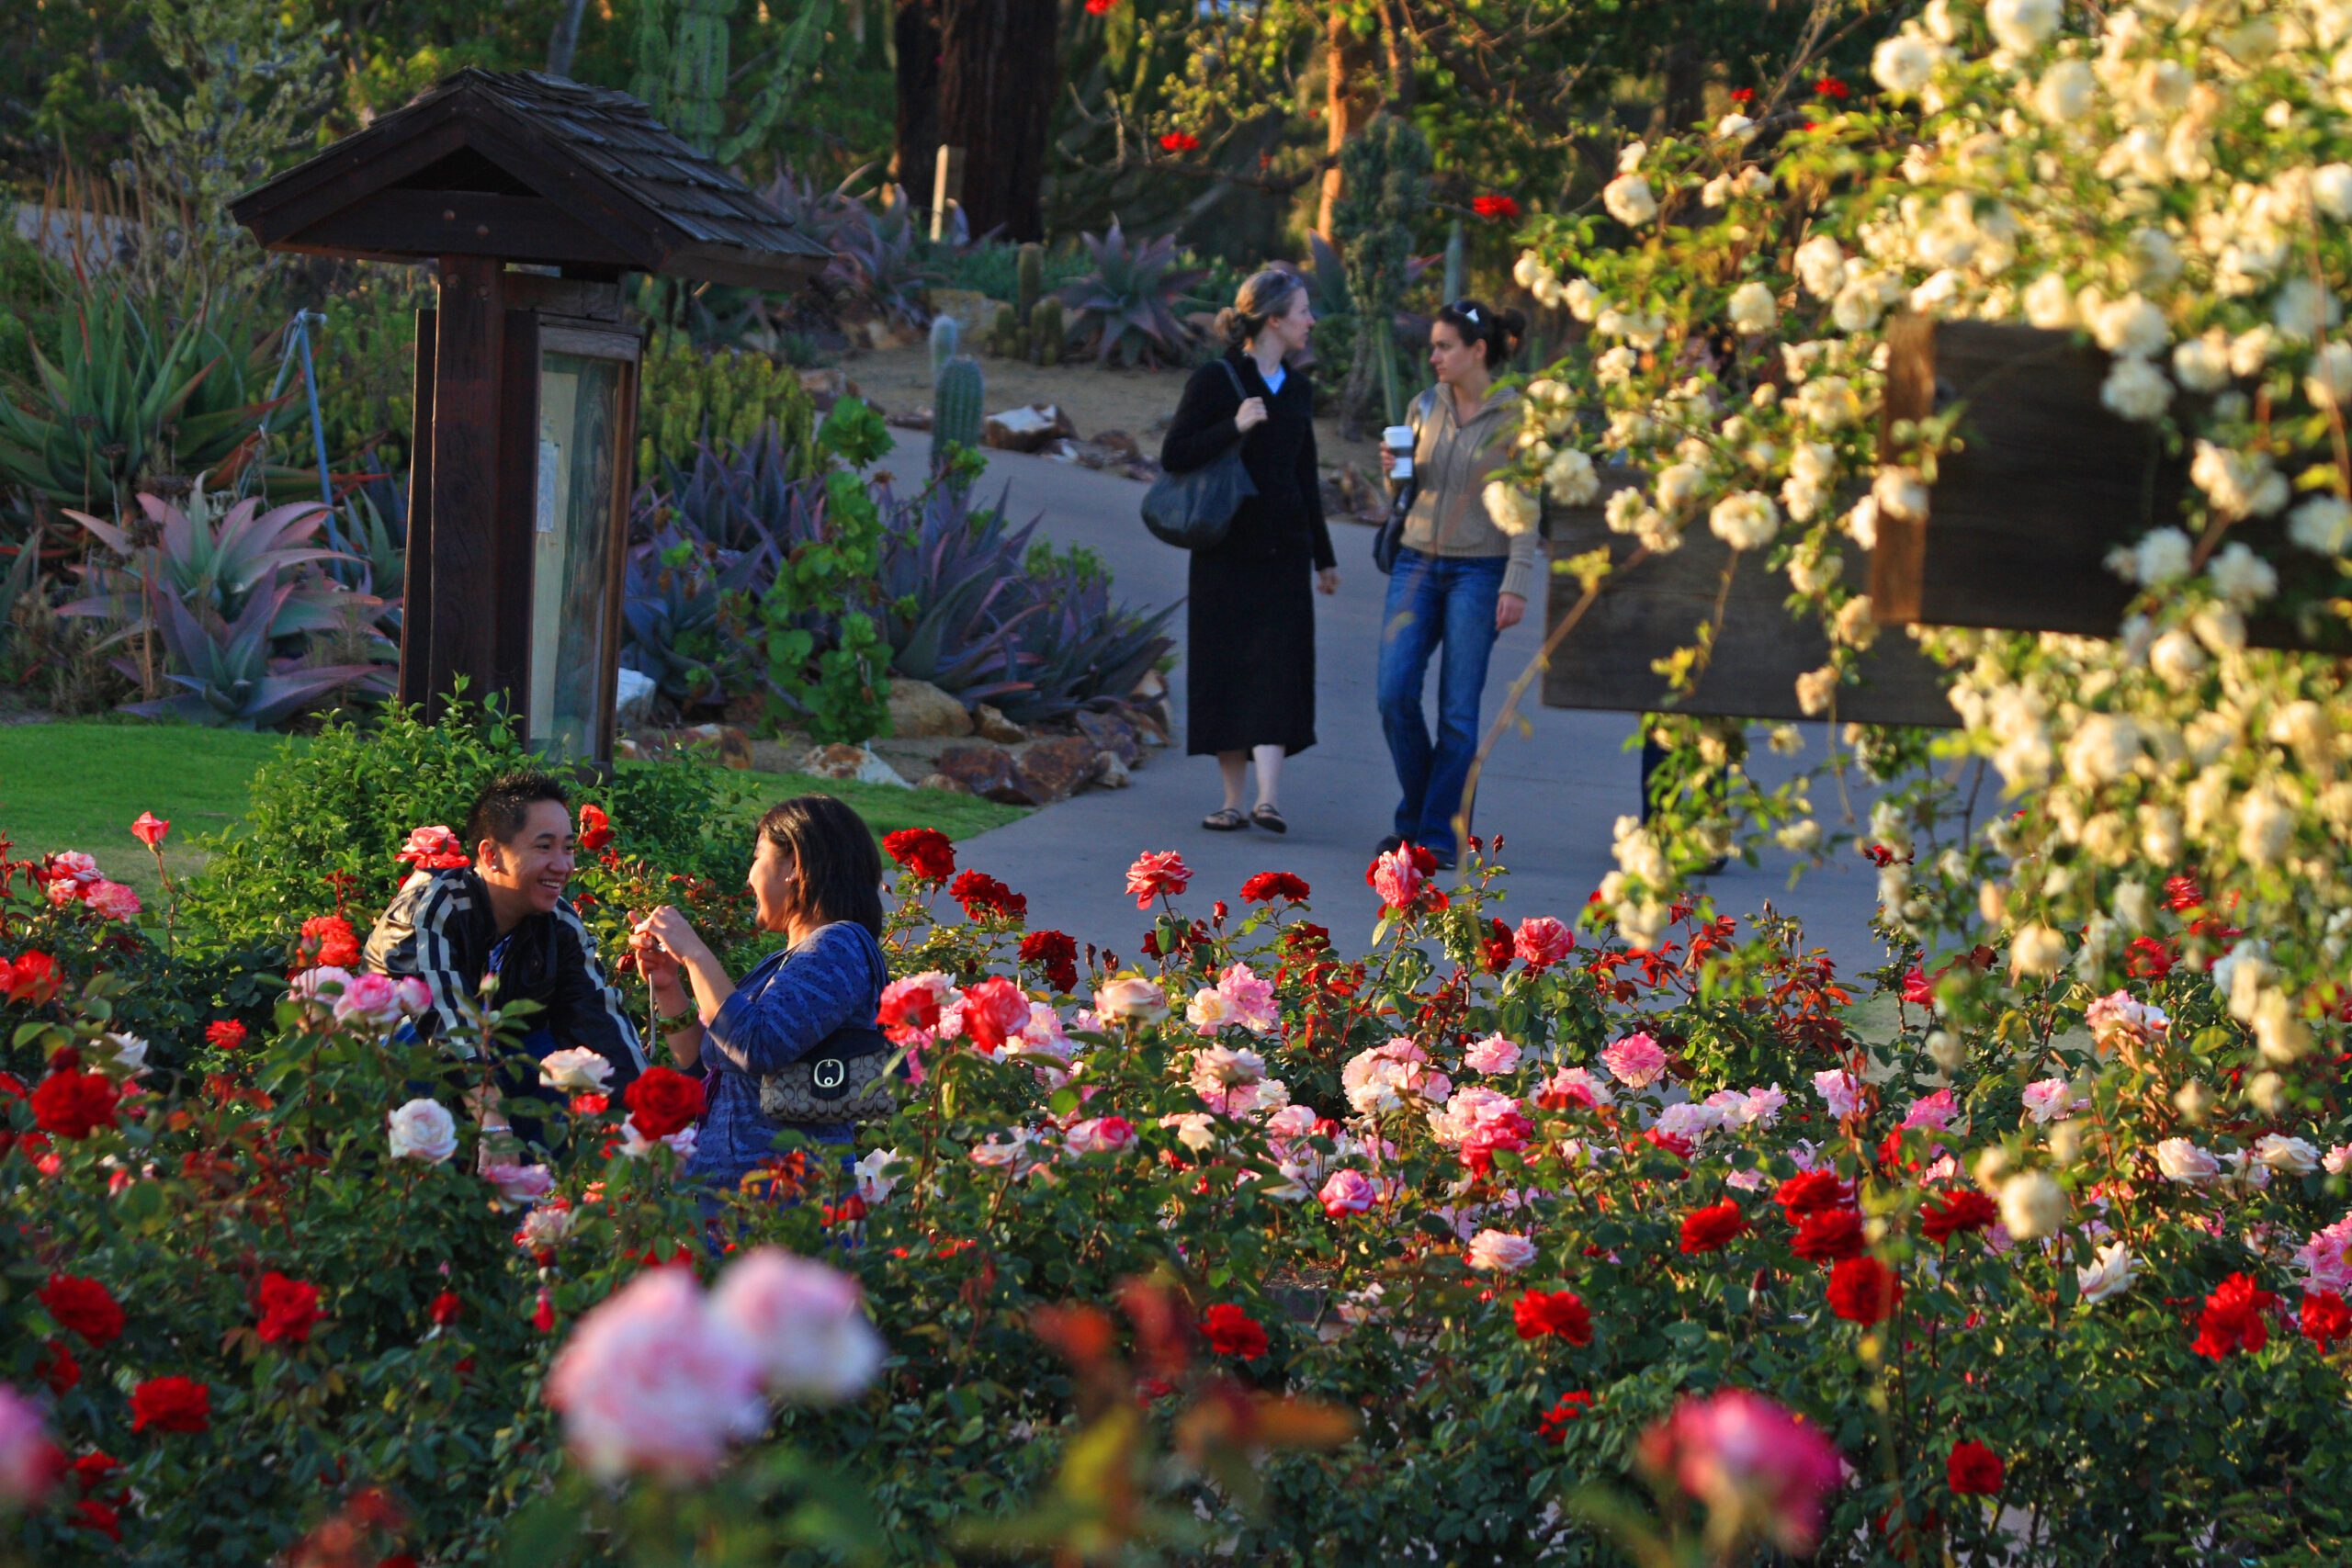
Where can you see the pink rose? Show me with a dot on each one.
(805, 1322)
(1248, 999)
(433, 849)
(1158, 872)
(29, 1462)
(653, 1382)
(2327, 1258)
(519, 1183)
(1099, 1136)
(2052, 1100)
(1492, 1054)
(1397, 879)
(1933, 1111)
(113, 900)
(1543, 941)
(1839, 1091)
(1347, 1193)
(75, 866)
(1749, 1461)
(1573, 1087)
(1635, 1061)
(321, 986)
(1504, 1252)
(370, 998)
(412, 995)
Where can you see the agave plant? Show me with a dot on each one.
(675, 599)
(217, 558)
(877, 259)
(228, 676)
(745, 498)
(1126, 307)
(1084, 652)
(119, 397)
(953, 599)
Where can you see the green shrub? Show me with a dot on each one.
(689, 396)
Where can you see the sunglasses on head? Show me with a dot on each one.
(1468, 310)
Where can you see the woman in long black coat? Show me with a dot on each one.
(1249, 622)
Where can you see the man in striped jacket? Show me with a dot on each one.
(505, 915)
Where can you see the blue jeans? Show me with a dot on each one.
(1435, 602)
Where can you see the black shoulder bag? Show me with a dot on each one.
(846, 1076)
(1390, 537)
(1192, 510)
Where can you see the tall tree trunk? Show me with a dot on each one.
(1686, 85)
(1348, 102)
(999, 74)
(914, 28)
(565, 39)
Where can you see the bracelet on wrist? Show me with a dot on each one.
(672, 1022)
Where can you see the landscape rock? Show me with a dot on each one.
(941, 781)
(985, 770)
(1109, 771)
(974, 312)
(1026, 429)
(917, 419)
(1062, 451)
(1110, 733)
(1118, 441)
(827, 387)
(733, 746)
(850, 762)
(918, 708)
(1152, 687)
(1056, 768)
(991, 724)
(632, 697)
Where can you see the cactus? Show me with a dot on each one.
(1046, 334)
(1455, 286)
(1031, 271)
(945, 338)
(690, 397)
(955, 403)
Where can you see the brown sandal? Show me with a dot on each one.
(1225, 819)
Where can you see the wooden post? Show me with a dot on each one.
(469, 348)
(946, 190)
(416, 589)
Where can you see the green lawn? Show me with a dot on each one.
(80, 784)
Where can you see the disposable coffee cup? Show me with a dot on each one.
(1398, 439)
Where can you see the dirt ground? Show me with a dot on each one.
(1135, 401)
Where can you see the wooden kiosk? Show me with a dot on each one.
(531, 196)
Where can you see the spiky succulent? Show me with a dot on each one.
(1125, 309)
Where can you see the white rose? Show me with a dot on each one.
(2304, 309)
(1900, 494)
(1583, 300)
(2241, 577)
(2129, 325)
(1903, 65)
(575, 1071)
(1752, 308)
(2037, 951)
(1130, 999)
(1629, 200)
(1736, 125)
(1745, 520)
(1858, 305)
(2162, 556)
(2021, 26)
(2176, 658)
(422, 1130)
(2203, 363)
(2184, 1162)
(2032, 1205)
(1571, 479)
(2332, 189)
(806, 1323)
(1814, 690)
(2293, 1157)
(2049, 303)
(1513, 509)
(2111, 1272)
(1821, 267)
(2064, 94)
(2135, 389)
(2322, 524)
(2328, 382)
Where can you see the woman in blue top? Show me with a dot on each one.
(816, 878)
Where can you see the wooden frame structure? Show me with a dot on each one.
(483, 173)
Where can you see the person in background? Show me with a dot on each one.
(1462, 576)
(1249, 618)
(816, 878)
(505, 915)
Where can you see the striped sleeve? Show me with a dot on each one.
(433, 955)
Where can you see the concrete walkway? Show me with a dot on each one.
(1552, 794)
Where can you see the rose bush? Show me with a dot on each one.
(1433, 1250)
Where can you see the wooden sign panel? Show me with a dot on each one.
(1759, 649)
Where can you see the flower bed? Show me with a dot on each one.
(1246, 1243)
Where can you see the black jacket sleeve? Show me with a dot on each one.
(1310, 489)
(1202, 424)
(584, 1009)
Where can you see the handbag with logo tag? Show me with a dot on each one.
(1195, 510)
(1390, 538)
(846, 1077)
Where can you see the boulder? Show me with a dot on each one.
(974, 312)
(850, 762)
(920, 419)
(734, 747)
(991, 724)
(1056, 768)
(1027, 429)
(1118, 441)
(1061, 451)
(919, 708)
(1108, 732)
(1152, 687)
(942, 781)
(827, 387)
(1109, 771)
(986, 771)
(632, 697)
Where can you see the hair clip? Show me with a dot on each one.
(1470, 312)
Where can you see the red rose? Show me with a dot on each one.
(543, 1314)
(1495, 208)
(663, 1101)
(445, 1309)
(171, 1404)
(74, 1104)
(981, 893)
(1561, 1313)
(2326, 1321)
(1233, 1332)
(1963, 1209)
(1496, 949)
(1179, 142)
(1973, 1470)
(1830, 87)
(90, 1472)
(1100, 7)
(433, 849)
(150, 828)
(2148, 958)
(1826, 1235)
(1674, 1143)
(909, 1010)
(1810, 1190)
(1710, 1228)
(30, 978)
(226, 1033)
(925, 851)
(595, 829)
(328, 941)
(289, 1309)
(57, 1366)
(1158, 873)
(85, 1306)
(1268, 885)
(2182, 895)
(1056, 955)
(1743, 97)
(89, 1514)
(994, 1012)
(2232, 1318)
(1569, 1408)
(1863, 1290)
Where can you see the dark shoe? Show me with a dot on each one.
(1444, 859)
(1385, 845)
(1713, 868)
(1225, 819)
(1270, 818)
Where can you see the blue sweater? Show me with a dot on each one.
(780, 1010)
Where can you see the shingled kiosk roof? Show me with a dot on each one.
(530, 168)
